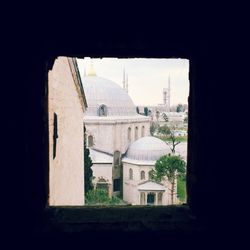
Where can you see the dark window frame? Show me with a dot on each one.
(55, 134)
(51, 212)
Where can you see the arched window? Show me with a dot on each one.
(131, 174)
(142, 131)
(90, 141)
(136, 133)
(159, 198)
(142, 175)
(129, 134)
(103, 110)
(117, 158)
(142, 201)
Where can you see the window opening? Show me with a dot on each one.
(142, 175)
(136, 133)
(55, 135)
(131, 174)
(129, 128)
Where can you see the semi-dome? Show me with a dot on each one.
(147, 148)
(106, 98)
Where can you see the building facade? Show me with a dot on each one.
(139, 160)
(112, 124)
(66, 106)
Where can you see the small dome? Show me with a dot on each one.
(147, 148)
(101, 92)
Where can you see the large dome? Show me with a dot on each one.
(102, 92)
(147, 148)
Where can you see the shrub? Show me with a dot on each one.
(100, 197)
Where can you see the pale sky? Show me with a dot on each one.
(146, 77)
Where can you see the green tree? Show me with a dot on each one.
(179, 108)
(173, 140)
(146, 111)
(170, 133)
(165, 130)
(88, 173)
(170, 166)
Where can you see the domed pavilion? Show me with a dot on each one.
(140, 158)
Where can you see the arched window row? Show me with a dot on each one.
(136, 133)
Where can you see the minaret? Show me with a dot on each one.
(124, 80)
(127, 83)
(166, 96)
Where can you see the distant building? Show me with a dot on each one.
(66, 105)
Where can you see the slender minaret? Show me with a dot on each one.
(127, 83)
(166, 96)
(124, 80)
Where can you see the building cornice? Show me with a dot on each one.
(78, 83)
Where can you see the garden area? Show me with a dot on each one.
(99, 197)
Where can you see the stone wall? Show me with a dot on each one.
(66, 169)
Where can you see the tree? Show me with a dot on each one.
(179, 108)
(146, 111)
(165, 117)
(170, 133)
(137, 110)
(186, 119)
(170, 166)
(173, 141)
(164, 130)
(153, 128)
(88, 173)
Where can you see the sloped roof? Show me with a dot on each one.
(100, 157)
(151, 186)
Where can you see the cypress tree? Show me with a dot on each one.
(88, 173)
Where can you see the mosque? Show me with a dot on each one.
(121, 148)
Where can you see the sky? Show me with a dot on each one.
(146, 77)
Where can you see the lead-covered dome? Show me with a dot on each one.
(106, 98)
(147, 148)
